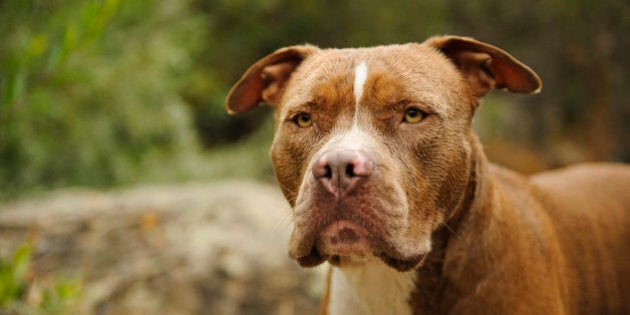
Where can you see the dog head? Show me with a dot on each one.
(373, 146)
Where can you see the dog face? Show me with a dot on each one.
(373, 146)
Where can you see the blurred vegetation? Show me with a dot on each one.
(89, 91)
(21, 294)
(116, 92)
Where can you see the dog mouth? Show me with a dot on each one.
(344, 238)
(344, 241)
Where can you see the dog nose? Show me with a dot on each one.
(340, 169)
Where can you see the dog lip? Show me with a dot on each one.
(312, 259)
(340, 237)
(347, 231)
(404, 264)
(344, 238)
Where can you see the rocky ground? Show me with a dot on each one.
(196, 248)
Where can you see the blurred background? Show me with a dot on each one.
(114, 141)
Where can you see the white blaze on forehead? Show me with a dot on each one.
(360, 75)
(355, 138)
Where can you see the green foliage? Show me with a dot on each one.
(90, 92)
(19, 294)
(12, 275)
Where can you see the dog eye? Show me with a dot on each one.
(303, 120)
(413, 115)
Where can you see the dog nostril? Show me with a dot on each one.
(350, 170)
(322, 170)
(328, 173)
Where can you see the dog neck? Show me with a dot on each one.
(431, 282)
(474, 188)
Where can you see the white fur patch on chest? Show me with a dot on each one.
(370, 289)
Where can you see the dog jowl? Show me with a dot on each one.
(374, 151)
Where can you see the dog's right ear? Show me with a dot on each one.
(266, 80)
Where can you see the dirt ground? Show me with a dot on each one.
(193, 248)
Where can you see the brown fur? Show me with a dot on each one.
(482, 239)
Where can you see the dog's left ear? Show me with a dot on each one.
(485, 66)
(266, 79)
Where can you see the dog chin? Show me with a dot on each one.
(345, 243)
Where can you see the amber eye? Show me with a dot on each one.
(303, 120)
(413, 115)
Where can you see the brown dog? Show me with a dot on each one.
(375, 153)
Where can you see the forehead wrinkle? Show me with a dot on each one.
(319, 80)
(383, 89)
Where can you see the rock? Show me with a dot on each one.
(195, 248)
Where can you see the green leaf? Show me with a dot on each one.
(21, 262)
